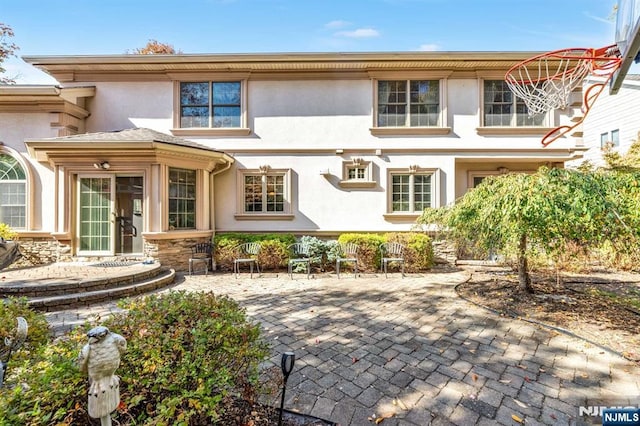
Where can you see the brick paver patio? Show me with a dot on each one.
(412, 351)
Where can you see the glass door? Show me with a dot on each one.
(96, 215)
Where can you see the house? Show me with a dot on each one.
(136, 155)
(612, 122)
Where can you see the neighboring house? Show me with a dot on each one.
(146, 154)
(613, 121)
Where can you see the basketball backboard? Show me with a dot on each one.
(627, 39)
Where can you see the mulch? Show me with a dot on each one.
(573, 302)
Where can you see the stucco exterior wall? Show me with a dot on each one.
(15, 128)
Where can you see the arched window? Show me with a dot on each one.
(13, 192)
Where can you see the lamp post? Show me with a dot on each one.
(286, 363)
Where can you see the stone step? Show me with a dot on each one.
(40, 287)
(125, 288)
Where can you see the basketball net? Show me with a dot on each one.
(545, 82)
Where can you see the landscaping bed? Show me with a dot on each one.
(601, 307)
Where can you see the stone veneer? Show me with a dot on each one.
(38, 251)
(173, 254)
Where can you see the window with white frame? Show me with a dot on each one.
(503, 108)
(357, 173)
(408, 103)
(610, 139)
(182, 199)
(411, 191)
(211, 104)
(13, 193)
(265, 191)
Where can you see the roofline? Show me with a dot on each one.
(128, 67)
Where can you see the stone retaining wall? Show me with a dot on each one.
(37, 251)
(173, 254)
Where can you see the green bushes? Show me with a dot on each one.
(274, 254)
(38, 333)
(185, 353)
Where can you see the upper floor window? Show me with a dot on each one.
(182, 199)
(408, 103)
(211, 104)
(503, 108)
(610, 139)
(13, 193)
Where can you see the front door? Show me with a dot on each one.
(110, 215)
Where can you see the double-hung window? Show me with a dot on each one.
(503, 108)
(182, 199)
(411, 192)
(13, 193)
(408, 103)
(213, 104)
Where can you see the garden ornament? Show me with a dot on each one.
(11, 345)
(100, 358)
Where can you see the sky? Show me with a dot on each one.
(100, 27)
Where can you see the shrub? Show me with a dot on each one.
(368, 249)
(418, 254)
(37, 335)
(323, 252)
(185, 353)
(7, 233)
(273, 254)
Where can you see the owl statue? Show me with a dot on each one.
(100, 358)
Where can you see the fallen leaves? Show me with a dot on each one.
(517, 419)
(381, 418)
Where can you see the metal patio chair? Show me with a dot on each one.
(348, 253)
(201, 253)
(247, 253)
(300, 254)
(391, 252)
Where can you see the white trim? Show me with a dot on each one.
(412, 171)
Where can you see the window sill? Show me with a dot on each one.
(261, 216)
(401, 217)
(357, 184)
(206, 131)
(409, 131)
(512, 130)
(177, 234)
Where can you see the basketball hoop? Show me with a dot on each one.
(545, 82)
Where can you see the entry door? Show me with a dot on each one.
(96, 218)
(128, 205)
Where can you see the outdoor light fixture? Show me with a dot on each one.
(324, 172)
(287, 362)
(104, 165)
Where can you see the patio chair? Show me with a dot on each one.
(247, 253)
(391, 252)
(201, 253)
(348, 253)
(300, 254)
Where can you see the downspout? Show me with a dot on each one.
(212, 219)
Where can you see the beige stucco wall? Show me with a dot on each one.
(15, 128)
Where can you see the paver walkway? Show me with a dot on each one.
(371, 347)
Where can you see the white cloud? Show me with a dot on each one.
(359, 33)
(429, 47)
(334, 25)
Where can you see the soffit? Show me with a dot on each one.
(165, 67)
(29, 98)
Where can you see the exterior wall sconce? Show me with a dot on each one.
(339, 151)
(103, 165)
(413, 168)
(503, 170)
(378, 152)
(324, 172)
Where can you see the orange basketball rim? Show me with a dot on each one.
(545, 82)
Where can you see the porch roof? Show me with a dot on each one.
(128, 145)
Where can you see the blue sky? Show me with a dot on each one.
(88, 27)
